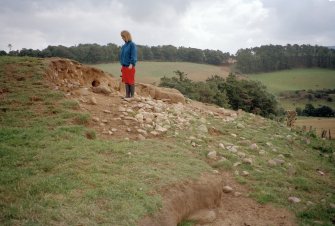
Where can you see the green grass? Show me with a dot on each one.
(150, 72)
(297, 79)
(51, 173)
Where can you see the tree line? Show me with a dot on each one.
(251, 60)
(250, 96)
(276, 57)
(94, 53)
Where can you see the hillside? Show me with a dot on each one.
(72, 151)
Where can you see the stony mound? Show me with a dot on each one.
(71, 76)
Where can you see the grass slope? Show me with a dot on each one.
(149, 72)
(50, 173)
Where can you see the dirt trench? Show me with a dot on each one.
(206, 196)
(180, 200)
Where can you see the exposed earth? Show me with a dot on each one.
(215, 199)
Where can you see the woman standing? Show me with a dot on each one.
(128, 59)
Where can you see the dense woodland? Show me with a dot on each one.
(94, 53)
(276, 57)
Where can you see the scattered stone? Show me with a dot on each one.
(253, 146)
(107, 112)
(237, 194)
(321, 173)
(309, 203)
(241, 154)
(110, 132)
(104, 121)
(113, 129)
(332, 205)
(269, 144)
(130, 118)
(237, 164)
(141, 131)
(193, 144)
(272, 163)
(227, 189)
(101, 89)
(139, 117)
(140, 137)
(128, 130)
(247, 161)
(216, 171)
(130, 110)
(203, 216)
(233, 134)
(202, 129)
(279, 161)
(245, 173)
(294, 199)
(160, 129)
(155, 133)
(221, 145)
(223, 159)
(95, 119)
(211, 155)
(93, 101)
(121, 109)
(232, 149)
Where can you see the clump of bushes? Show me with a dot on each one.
(250, 96)
(310, 110)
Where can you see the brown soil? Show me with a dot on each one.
(232, 209)
(179, 200)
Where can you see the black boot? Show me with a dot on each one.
(127, 90)
(132, 90)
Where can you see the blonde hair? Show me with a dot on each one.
(126, 35)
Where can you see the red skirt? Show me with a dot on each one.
(128, 75)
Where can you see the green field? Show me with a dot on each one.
(296, 79)
(150, 72)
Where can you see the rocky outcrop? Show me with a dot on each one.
(160, 93)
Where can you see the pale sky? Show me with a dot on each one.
(226, 25)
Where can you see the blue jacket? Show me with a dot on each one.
(128, 54)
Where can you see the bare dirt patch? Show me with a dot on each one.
(206, 194)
